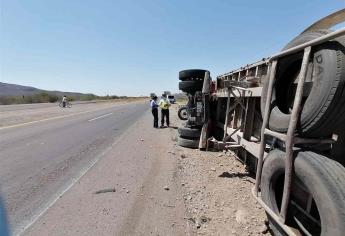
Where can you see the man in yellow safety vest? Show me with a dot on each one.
(164, 104)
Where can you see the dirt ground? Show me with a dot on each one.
(160, 189)
(133, 189)
(217, 193)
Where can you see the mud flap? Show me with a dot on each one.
(203, 136)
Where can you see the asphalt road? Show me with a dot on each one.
(16, 107)
(40, 160)
(5, 108)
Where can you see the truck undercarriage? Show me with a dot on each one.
(284, 117)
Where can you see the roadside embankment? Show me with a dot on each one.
(216, 189)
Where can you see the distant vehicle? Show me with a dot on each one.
(167, 93)
(172, 99)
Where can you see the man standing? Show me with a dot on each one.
(154, 107)
(164, 104)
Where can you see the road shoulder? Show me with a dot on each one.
(216, 188)
(142, 168)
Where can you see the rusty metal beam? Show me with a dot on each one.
(290, 134)
(272, 73)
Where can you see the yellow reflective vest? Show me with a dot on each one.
(164, 104)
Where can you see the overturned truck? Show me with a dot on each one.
(284, 117)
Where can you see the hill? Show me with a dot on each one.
(19, 94)
(20, 90)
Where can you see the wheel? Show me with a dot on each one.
(182, 113)
(189, 133)
(323, 102)
(60, 104)
(317, 201)
(189, 143)
(69, 105)
(190, 86)
(192, 74)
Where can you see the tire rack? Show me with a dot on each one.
(290, 139)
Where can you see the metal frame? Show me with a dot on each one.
(244, 83)
(238, 101)
(203, 142)
(290, 138)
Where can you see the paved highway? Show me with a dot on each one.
(40, 160)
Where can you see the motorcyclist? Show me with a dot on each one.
(64, 101)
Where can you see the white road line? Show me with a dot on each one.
(99, 117)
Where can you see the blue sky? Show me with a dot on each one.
(137, 47)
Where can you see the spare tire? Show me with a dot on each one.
(189, 143)
(192, 74)
(314, 175)
(323, 103)
(182, 113)
(190, 86)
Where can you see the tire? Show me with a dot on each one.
(192, 74)
(322, 177)
(68, 105)
(190, 86)
(189, 143)
(182, 113)
(189, 133)
(323, 106)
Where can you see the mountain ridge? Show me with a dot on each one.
(7, 89)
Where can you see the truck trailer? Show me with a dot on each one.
(284, 117)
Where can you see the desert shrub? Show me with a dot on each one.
(47, 97)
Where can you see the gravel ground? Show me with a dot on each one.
(217, 193)
(161, 189)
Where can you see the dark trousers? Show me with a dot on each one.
(155, 117)
(165, 113)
